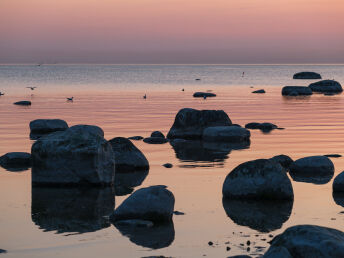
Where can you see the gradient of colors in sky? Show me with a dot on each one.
(172, 31)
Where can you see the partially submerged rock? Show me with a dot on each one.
(265, 127)
(23, 103)
(135, 138)
(226, 134)
(203, 94)
(127, 156)
(308, 241)
(155, 140)
(168, 165)
(328, 86)
(307, 75)
(259, 91)
(338, 183)
(79, 155)
(16, 161)
(157, 134)
(154, 203)
(190, 123)
(300, 90)
(260, 179)
(40, 127)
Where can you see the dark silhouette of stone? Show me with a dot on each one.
(168, 165)
(157, 134)
(40, 127)
(338, 183)
(328, 86)
(300, 90)
(284, 160)
(16, 161)
(135, 138)
(23, 103)
(155, 140)
(307, 75)
(203, 94)
(265, 127)
(226, 134)
(259, 91)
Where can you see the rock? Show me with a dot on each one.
(278, 252)
(261, 215)
(265, 127)
(308, 241)
(168, 165)
(259, 91)
(155, 140)
(127, 156)
(190, 123)
(329, 94)
(79, 155)
(154, 203)
(136, 138)
(2, 251)
(258, 179)
(72, 209)
(293, 94)
(157, 134)
(301, 90)
(125, 182)
(284, 160)
(307, 75)
(16, 161)
(178, 213)
(253, 125)
(326, 86)
(40, 127)
(338, 183)
(226, 133)
(135, 223)
(314, 169)
(203, 94)
(23, 103)
(333, 155)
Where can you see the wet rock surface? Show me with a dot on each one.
(125, 182)
(259, 91)
(338, 183)
(40, 127)
(284, 160)
(16, 161)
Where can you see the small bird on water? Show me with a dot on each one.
(32, 88)
(145, 96)
(1, 93)
(182, 89)
(70, 99)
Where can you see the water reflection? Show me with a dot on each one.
(78, 210)
(125, 182)
(158, 236)
(204, 154)
(263, 216)
(313, 179)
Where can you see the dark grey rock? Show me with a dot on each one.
(178, 213)
(258, 179)
(79, 155)
(301, 90)
(40, 127)
(190, 123)
(307, 75)
(16, 161)
(259, 91)
(277, 252)
(338, 183)
(136, 138)
(23, 103)
(309, 241)
(284, 160)
(293, 94)
(127, 156)
(154, 203)
(226, 133)
(265, 127)
(333, 155)
(155, 140)
(168, 165)
(240, 256)
(203, 94)
(157, 134)
(329, 86)
(2, 251)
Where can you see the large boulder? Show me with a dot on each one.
(308, 241)
(40, 127)
(79, 155)
(16, 161)
(226, 133)
(299, 90)
(338, 183)
(154, 203)
(190, 123)
(307, 75)
(127, 156)
(258, 179)
(203, 94)
(326, 86)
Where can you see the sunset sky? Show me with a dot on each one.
(172, 31)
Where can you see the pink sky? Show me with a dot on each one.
(172, 31)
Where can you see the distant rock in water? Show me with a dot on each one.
(262, 215)
(307, 75)
(40, 127)
(307, 241)
(16, 161)
(265, 127)
(259, 91)
(168, 165)
(284, 160)
(2, 251)
(203, 94)
(333, 155)
(300, 90)
(189, 123)
(260, 179)
(328, 86)
(78, 155)
(23, 103)
(157, 134)
(135, 138)
(127, 156)
(226, 134)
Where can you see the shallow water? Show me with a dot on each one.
(70, 223)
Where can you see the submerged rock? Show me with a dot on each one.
(329, 86)
(203, 94)
(300, 90)
(40, 127)
(226, 133)
(284, 160)
(190, 123)
(333, 155)
(136, 138)
(155, 140)
(307, 75)
(259, 91)
(127, 156)
(258, 179)
(338, 183)
(23, 103)
(168, 165)
(16, 161)
(79, 155)
(308, 241)
(265, 127)
(154, 203)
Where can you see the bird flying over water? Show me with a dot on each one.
(32, 88)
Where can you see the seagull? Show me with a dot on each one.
(145, 96)
(182, 89)
(1, 93)
(70, 99)
(32, 88)
(243, 74)
(197, 79)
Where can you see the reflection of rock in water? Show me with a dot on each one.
(77, 210)
(263, 216)
(158, 236)
(314, 179)
(204, 154)
(125, 182)
(338, 198)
